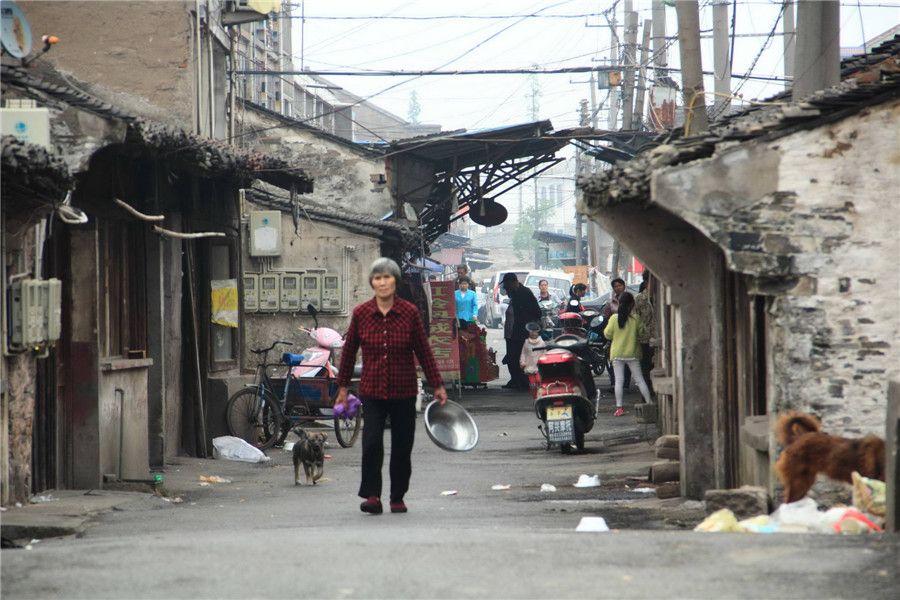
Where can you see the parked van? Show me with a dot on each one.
(494, 306)
(558, 283)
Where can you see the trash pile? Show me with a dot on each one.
(803, 516)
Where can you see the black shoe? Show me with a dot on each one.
(509, 385)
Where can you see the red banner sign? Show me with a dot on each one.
(444, 342)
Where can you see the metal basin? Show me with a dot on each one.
(450, 426)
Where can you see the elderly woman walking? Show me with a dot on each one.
(624, 330)
(389, 330)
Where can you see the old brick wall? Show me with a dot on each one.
(813, 217)
(139, 52)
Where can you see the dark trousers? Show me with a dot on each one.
(647, 353)
(513, 355)
(403, 429)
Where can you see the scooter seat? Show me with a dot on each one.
(292, 360)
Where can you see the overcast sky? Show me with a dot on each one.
(416, 35)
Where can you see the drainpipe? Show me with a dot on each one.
(211, 71)
(121, 394)
(198, 59)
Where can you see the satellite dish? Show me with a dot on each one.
(15, 32)
(488, 213)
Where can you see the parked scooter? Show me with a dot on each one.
(317, 361)
(549, 319)
(568, 399)
(577, 320)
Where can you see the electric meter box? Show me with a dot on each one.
(35, 312)
(269, 292)
(311, 290)
(265, 233)
(251, 292)
(331, 293)
(290, 292)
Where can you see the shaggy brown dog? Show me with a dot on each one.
(808, 451)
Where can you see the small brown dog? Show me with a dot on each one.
(309, 452)
(808, 452)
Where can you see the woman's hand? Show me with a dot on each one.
(341, 397)
(440, 394)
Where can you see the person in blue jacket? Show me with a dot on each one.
(466, 303)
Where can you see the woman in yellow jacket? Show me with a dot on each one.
(624, 330)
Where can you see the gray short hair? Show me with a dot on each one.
(384, 265)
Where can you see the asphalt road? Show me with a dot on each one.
(261, 536)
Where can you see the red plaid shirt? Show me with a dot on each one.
(388, 342)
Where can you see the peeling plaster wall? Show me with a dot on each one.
(320, 247)
(342, 177)
(140, 52)
(21, 371)
(814, 217)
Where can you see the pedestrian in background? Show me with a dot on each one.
(576, 293)
(462, 270)
(389, 330)
(643, 308)
(618, 288)
(466, 303)
(529, 359)
(523, 308)
(623, 330)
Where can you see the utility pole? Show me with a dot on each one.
(613, 101)
(631, 20)
(691, 67)
(642, 77)
(818, 60)
(592, 226)
(790, 42)
(721, 57)
(579, 169)
(659, 38)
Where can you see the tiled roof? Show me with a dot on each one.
(872, 83)
(217, 157)
(30, 171)
(388, 231)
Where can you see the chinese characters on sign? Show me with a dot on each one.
(444, 333)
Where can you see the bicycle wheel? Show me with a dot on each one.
(347, 430)
(253, 414)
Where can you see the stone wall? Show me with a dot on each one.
(342, 175)
(813, 217)
(135, 55)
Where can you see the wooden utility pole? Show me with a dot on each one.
(790, 42)
(721, 56)
(579, 169)
(631, 25)
(691, 66)
(642, 77)
(613, 101)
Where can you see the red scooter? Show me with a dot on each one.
(568, 399)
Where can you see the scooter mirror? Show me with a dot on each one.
(311, 310)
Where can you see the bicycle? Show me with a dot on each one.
(262, 413)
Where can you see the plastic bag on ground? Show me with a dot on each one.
(802, 516)
(232, 448)
(585, 481)
(721, 520)
(592, 524)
